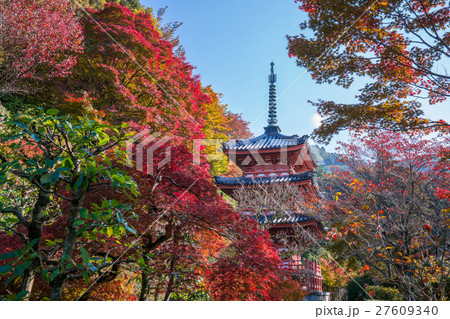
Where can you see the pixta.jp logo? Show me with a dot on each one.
(143, 146)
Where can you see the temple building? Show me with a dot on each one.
(276, 159)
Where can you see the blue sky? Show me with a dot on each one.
(231, 43)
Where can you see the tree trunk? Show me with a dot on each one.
(152, 245)
(143, 296)
(57, 283)
(35, 233)
(171, 279)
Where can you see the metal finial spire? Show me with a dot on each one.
(272, 97)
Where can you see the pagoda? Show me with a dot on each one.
(274, 158)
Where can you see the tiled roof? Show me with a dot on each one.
(271, 139)
(263, 180)
(285, 218)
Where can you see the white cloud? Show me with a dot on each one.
(316, 120)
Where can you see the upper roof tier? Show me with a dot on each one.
(271, 139)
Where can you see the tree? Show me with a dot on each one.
(249, 269)
(138, 78)
(390, 214)
(169, 30)
(39, 40)
(49, 165)
(166, 240)
(220, 126)
(336, 277)
(399, 48)
(128, 73)
(237, 127)
(134, 5)
(193, 231)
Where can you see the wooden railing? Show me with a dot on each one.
(307, 267)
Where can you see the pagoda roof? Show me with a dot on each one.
(271, 139)
(247, 181)
(284, 218)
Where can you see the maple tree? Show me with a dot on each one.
(138, 78)
(178, 235)
(129, 73)
(39, 40)
(134, 5)
(390, 213)
(398, 48)
(248, 270)
(192, 230)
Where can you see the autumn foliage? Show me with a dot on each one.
(93, 226)
(39, 40)
(390, 211)
(392, 49)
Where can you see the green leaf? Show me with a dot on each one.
(106, 204)
(54, 274)
(103, 142)
(109, 231)
(5, 269)
(9, 255)
(19, 269)
(46, 178)
(44, 273)
(52, 112)
(78, 223)
(119, 217)
(84, 213)
(50, 163)
(95, 215)
(131, 230)
(119, 178)
(84, 256)
(85, 276)
(68, 163)
(12, 137)
(10, 278)
(78, 182)
(141, 262)
(114, 203)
